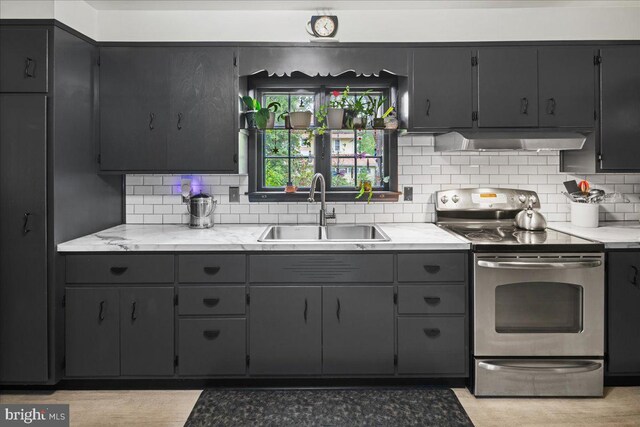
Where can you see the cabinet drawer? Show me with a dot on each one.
(212, 346)
(432, 267)
(431, 345)
(321, 268)
(211, 300)
(23, 63)
(119, 269)
(431, 299)
(211, 268)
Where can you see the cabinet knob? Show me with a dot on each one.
(25, 225)
(524, 105)
(179, 125)
(101, 312)
(152, 117)
(551, 106)
(634, 276)
(134, 316)
(428, 106)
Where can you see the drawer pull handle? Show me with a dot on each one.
(634, 278)
(101, 313)
(306, 309)
(152, 117)
(431, 332)
(118, 271)
(432, 300)
(29, 67)
(211, 270)
(338, 309)
(210, 302)
(211, 335)
(133, 311)
(25, 224)
(524, 106)
(432, 269)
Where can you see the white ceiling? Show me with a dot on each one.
(348, 4)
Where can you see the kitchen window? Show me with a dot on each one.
(345, 157)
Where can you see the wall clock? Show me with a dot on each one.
(323, 26)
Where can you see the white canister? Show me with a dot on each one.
(585, 214)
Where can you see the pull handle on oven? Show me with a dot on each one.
(558, 368)
(534, 265)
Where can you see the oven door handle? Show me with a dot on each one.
(568, 368)
(539, 265)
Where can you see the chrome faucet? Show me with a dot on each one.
(323, 206)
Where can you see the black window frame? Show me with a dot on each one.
(322, 87)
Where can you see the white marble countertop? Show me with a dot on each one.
(614, 234)
(226, 237)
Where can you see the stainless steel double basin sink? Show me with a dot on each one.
(329, 233)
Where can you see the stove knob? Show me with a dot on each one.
(455, 198)
(522, 198)
(444, 199)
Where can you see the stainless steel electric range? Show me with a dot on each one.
(538, 298)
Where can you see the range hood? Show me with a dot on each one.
(510, 140)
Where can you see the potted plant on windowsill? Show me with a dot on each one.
(266, 116)
(359, 109)
(253, 105)
(365, 185)
(335, 112)
(376, 106)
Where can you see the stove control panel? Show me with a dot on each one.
(485, 199)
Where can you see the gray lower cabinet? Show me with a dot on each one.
(432, 345)
(23, 237)
(146, 331)
(285, 330)
(623, 296)
(212, 347)
(357, 330)
(92, 332)
(125, 331)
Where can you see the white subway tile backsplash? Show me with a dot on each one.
(155, 199)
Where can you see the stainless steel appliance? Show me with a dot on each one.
(201, 207)
(474, 140)
(538, 298)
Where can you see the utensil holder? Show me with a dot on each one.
(585, 214)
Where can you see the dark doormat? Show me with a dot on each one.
(328, 407)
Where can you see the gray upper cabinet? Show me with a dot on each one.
(623, 299)
(442, 95)
(146, 324)
(134, 108)
(358, 330)
(23, 62)
(23, 238)
(567, 87)
(285, 330)
(508, 87)
(92, 332)
(620, 108)
(167, 109)
(202, 99)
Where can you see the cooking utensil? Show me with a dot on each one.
(529, 219)
(571, 186)
(201, 208)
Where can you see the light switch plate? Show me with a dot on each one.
(234, 194)
(408, 194)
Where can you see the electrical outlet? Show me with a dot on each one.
(408, 194)
(234, 194)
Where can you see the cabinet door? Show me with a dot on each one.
(508, 87)
(134, 108)
(442, 88)
(23, 251)
(357, 330)
(23, 62)
(202, 97)
(146, 324)
(567, 87)
(92, 332)
(285, 330)
(624, 315)
(620, 107)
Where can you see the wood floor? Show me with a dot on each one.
(619, 407)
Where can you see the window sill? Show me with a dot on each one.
(331, 196)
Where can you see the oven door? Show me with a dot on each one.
(539, 305)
